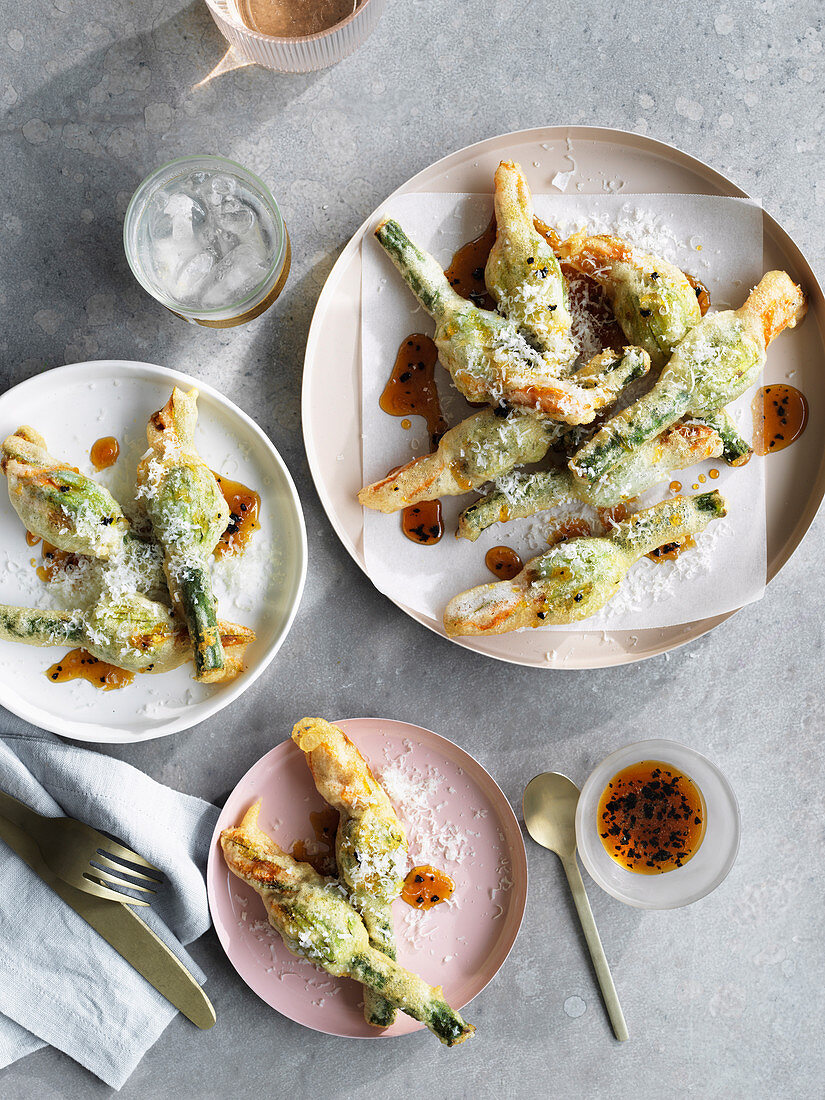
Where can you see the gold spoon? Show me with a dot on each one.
(549, 806)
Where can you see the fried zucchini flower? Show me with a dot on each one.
(576, 578)
(370, 845)
(675, 449)
(715, 363)
(490, 443)
(188, 514)
(131, 632)
(58, 503)
(487, 356)
(523, 274)
(317, 923)
(652, 299)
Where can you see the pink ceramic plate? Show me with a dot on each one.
(603, 158)
(457, 819)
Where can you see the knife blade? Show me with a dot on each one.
(126, 932)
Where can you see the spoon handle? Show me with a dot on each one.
(594, 943)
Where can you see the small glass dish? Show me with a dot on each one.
(703, 872)
(252, 300)
(304, 53)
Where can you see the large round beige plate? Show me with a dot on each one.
(332, 401)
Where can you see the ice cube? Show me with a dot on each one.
(224, 241)
(234, 216)
(192, 273)
(223, 185)
(158, 222)
(187, 216)
(165, 260)
(236, 276)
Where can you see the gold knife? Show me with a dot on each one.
(126, 932)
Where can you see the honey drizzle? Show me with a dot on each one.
(608, 517)
(79, 664)
(503, 562)
(411, 388)
(54, 562)
(578, 527)
(568, 529)
(244, 509)
(466, 271)
(321, 853)
(104, 452)
(423, 522)
(780, 416)
(426, 886)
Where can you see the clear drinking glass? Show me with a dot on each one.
(301, 54)
(703, 872)
(205, 237)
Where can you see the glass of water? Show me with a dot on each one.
(205, 237)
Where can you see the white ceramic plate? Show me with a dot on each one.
(72, 407)
(331, 395)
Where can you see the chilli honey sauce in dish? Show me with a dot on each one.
(651, 817)
(636, 824)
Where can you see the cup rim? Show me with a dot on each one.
(144, 189)
(224, 10)
(653, 749)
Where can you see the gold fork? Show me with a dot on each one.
(71, 849)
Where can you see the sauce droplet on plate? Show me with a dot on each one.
(411, 387)
(675, 486)
(423, 522)
(244, 509)
(608, 517)
(466, 271)
(320, 853)
(426, 886)
(503, 562)
(104, 452)
(780, 416)
(78, 664)
(713, 474)
(32, 540)
(568, 529)
(651, 818)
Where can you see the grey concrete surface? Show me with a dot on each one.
(723, 999)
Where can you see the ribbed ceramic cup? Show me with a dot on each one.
(255, 302)
(703, 872)
(298, 55)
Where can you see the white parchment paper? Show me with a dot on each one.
(717, 240)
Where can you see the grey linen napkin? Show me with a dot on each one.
(60, 983)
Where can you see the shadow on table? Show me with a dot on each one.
(75, 151)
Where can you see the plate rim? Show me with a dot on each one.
(690, 631)
(519, 854)
(208, 708)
